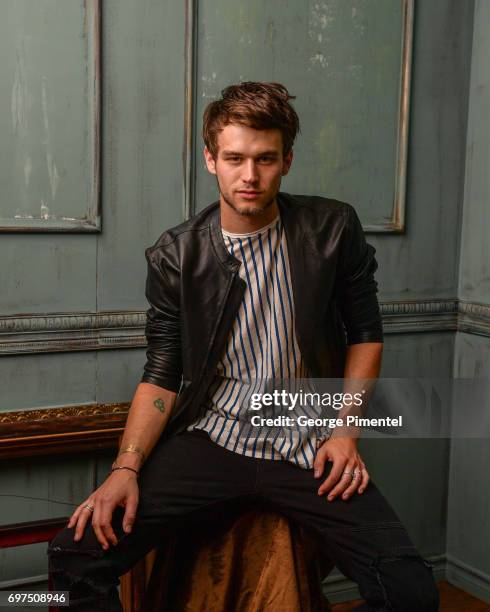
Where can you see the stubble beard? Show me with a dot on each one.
(245, 212)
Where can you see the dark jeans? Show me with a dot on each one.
(188, 474)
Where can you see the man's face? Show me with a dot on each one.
(248, 167)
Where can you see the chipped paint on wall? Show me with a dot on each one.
(51, 164)
(356, 71)
(19, 100)
(209, 85)
(54, 178)
(319, 58)
(27, 171)
(44, 210)
(270, 33)
(245, 39)
(358, 21)
(320, 17)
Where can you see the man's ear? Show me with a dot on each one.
(286, 162)
(210, 161)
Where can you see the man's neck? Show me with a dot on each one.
(233, 222)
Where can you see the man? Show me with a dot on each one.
(258, 286)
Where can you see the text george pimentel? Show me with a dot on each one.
(336, 401)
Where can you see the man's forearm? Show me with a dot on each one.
(363, 360)
(147, 418)
(362, 367)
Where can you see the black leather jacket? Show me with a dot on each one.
(194, 291)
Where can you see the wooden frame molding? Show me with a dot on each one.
(189, 207)
(64, 430)
(396, 225)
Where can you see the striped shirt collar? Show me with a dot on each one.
(261, 230)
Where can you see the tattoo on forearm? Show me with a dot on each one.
(160, 404)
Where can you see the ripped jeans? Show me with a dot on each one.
(188, 474)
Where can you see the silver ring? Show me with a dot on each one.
(356, 474)
(350, 473)
(89, 507)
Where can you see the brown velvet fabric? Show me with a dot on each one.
(246, 560)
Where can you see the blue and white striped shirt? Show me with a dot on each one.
(262, 345)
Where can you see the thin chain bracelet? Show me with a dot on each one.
(124, 467)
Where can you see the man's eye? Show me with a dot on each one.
(234, 159)
(265, 159)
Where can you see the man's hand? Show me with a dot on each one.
(342, 452)
(119, 489)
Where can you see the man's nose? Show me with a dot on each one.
(250, 174)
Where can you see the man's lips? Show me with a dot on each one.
(249, 194)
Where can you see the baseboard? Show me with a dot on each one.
(32, 583)
(468, 578)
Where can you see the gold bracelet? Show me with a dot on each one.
(132, 448)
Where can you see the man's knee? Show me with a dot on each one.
(407, 583)
(84, 570)
(64, 544)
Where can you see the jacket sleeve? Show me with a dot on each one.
(163, 355)
(356, 287)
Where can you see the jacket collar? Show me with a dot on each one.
(285, 204)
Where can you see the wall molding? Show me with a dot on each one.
(67, 332)
(408, 316)
(474, 318)
(88, 218)
(397, 222)
(190, 62)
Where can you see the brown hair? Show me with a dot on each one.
(262, 106)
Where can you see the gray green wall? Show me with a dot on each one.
(141, 194)
(468, 531)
